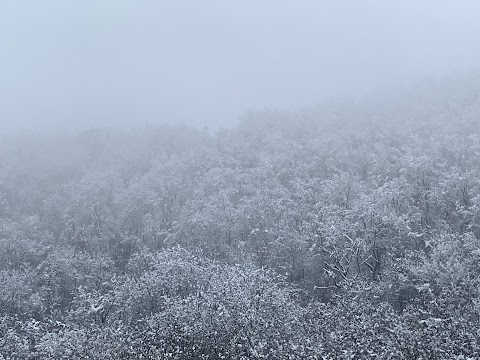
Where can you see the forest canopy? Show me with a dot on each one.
(346, 231)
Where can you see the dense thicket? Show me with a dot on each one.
(345, 231)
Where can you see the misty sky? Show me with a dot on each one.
(77, 63)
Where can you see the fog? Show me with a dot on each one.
(239, 180)
(76, 64)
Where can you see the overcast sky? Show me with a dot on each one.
(76, 63)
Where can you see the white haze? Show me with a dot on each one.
(68, 64)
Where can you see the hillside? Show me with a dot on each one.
(344, 231)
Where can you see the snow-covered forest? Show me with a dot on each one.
(346, 231)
